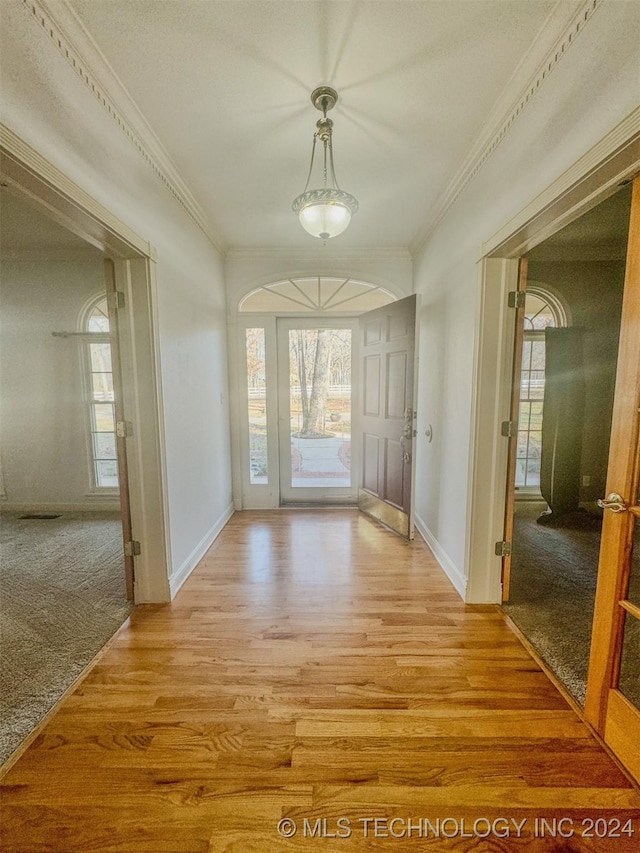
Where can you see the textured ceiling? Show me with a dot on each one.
(225, 86)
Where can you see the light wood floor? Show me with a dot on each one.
(314, 668)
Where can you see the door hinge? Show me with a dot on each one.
(503, 549)
(415, 433)
(517, 298)
(116, 299)
(508, 428)
(124, 429)
(132, 549)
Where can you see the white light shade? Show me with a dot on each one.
(325, 219)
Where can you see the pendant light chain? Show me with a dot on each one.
(333, 171)
(313, 153)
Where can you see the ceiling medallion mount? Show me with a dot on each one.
(324, 212)
(324, 98)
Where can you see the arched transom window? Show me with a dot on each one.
(317, 295)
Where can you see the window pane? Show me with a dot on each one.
(103, 417)
(104, 445)
(106, 474)
(102, 386)
(98, 323)
(99, 318)
(257, 406)
(100, 357)
(538, 313)
(629, 683)
(320, 407)
(634, 573)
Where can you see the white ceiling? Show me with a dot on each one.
(225, 86)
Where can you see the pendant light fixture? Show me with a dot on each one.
(327, 211)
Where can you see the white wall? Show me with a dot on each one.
(51, 108)
(46, 457)
(593, 87)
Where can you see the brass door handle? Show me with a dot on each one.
(614, 502)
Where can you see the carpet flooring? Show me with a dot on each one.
(553, 583)
(62, 596)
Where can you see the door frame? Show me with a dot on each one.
(614, 161)
(28, 174)
(266, 495)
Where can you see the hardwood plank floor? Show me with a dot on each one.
(319, 670)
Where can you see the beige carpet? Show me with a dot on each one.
(553, 584)
(62, 596)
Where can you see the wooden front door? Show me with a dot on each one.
(613, 689)
(387, 353)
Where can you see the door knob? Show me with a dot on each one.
(613, 502)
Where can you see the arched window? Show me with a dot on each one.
(99, 384)
(315, 294)
(542, 310)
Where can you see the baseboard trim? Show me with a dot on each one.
(451, 571)
(94, 505)
(180, 576)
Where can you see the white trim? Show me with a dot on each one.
(76, 45)
(323, 256)
(573, 190)
(490, 406)
(444, 561)
(64, 201)
(146, 448)
(178, 577)
(550, 45)
(88, 506)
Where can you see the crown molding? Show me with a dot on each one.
(613, 160)
(25, 169)
(75, 44)
(550, 45)
(321, 253)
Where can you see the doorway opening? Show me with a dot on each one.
(64, 585)
(571, 336)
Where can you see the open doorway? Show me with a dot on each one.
(572, 319)
(64, 590)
